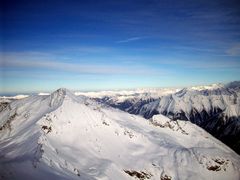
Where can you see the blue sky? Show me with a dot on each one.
(94, 45)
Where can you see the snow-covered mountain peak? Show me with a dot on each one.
(182, 92)
(58, 96)
(207, 87)
(216, 86)
(62, 92)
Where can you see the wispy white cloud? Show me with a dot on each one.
(27, 61)
(90, 49)
(234, 50)
(189, 48)
(214, 64)
(130, 39)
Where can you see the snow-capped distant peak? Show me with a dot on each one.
(20, 96)
(43, 94)
(207, 87)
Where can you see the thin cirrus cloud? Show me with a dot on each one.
(234, 50)
(130, 39)
(25, 63)
(91, 49)
(214, 64)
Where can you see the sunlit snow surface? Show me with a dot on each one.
(63, 136)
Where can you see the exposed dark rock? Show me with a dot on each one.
(140, 175)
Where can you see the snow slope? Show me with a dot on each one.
(63, 136)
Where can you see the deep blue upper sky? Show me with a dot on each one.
(92, 45)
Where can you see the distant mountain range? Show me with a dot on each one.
(215, 108)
